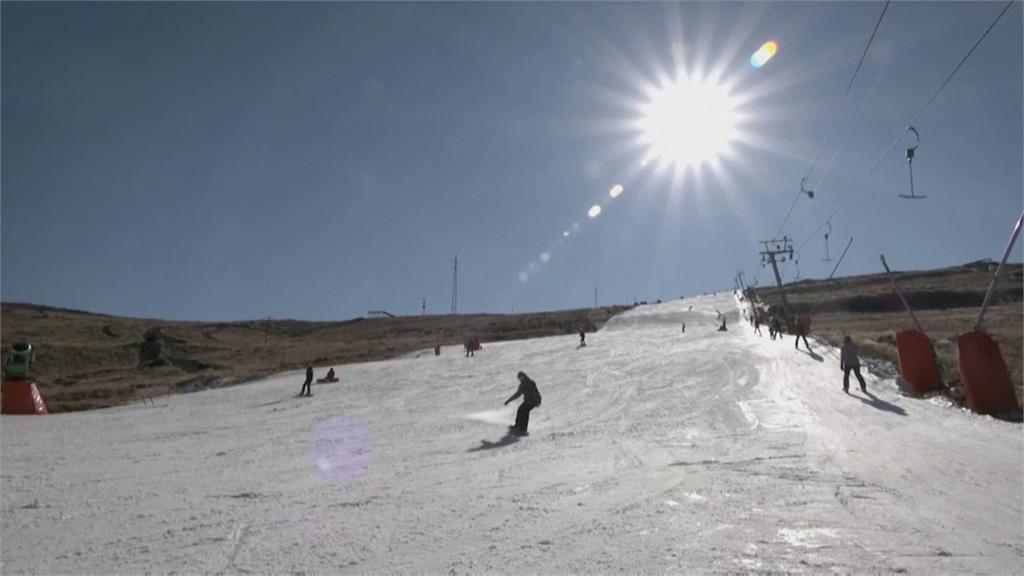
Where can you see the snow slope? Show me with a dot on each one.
(653, 451)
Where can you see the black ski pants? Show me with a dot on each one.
(797, 343)
(856, 371)
(523, 415)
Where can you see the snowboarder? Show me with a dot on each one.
(583, 339)
(306, 386)
(801, 332)
(849, 360)
(531, 399)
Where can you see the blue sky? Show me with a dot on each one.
(315, 161)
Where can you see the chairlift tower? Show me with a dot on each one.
(775, 251)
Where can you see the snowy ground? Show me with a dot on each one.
(653, 451)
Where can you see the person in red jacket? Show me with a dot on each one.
(531, 399)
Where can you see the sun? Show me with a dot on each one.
(688, 122)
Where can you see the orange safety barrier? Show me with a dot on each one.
(22, 397)
(983, 372)
(917, 361)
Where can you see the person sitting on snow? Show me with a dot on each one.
(849, 360)
(330, 374)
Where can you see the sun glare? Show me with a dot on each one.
(689, 122)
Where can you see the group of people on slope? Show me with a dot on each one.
(307, 384)
(849, 357)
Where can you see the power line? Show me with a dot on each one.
(455, 286)
(912, 122)
(835, 115)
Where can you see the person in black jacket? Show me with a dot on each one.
(531, 399)
(306, 388)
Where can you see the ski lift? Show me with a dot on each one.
(810, 193)
(910, 165)
(827, 257)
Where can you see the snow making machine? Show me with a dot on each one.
(20, 395)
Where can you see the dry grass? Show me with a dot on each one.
(86, 361)
(946, 303)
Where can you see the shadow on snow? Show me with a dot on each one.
(488, 445)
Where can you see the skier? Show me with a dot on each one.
(849, 360)
(722, 328)
(684, 327)
(801, 332)
(583, 339)
(306, 388)
(776, 327)
(531, 399)
(757, 325)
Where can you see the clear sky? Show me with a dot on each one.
(221, 161)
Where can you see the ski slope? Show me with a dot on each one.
(654, 451)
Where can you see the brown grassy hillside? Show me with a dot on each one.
(86, 361)
(946, 302)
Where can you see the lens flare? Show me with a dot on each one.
(615, 191)
(545, 256)
(594, 211)
(764, 54)
(341, 449)
(565, 234)
(523, 276)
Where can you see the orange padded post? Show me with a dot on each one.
(22, 397)
(917, 361)
(983, 373)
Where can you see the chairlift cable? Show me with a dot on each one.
(917, 117)
(856, 119)
(835, 115)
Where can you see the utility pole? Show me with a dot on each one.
(780, 248)
(424, 306)
(595, 296)
(455, 286)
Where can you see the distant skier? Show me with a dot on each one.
(531, 399)
(776, 328)
(757, 325)
(306, 386)
(684, 327)
(801, 332)
(583, 338)
(722, 328)
(849, 360)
